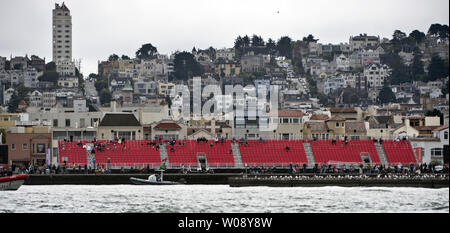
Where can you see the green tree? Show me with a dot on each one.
(185, 66)
(417, 36)
(271, 46)
(49, 76)
(386, 95)
(51, 66)
(125, 57)
(417, 70)
(309, 38)
(101, 84)
(438, 30)
(147, 51)
(257, 41)
(19, 95)
(437, 68)
(113, 57)
(284, 47)
(105, 96)
(400, 72)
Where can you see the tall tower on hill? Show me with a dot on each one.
(62, 33)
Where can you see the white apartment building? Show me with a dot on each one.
(225, 54)
(62, 33)
(30, 78)
(375, 75)
(65, 68)
(36, 98)
(360, 42)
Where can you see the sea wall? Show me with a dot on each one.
(344, 182)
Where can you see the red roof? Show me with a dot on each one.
(441, 128)
(287, 113)
(167, 126)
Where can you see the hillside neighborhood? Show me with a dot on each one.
(365, 88)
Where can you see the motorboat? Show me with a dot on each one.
(155, 180)
(12, 182)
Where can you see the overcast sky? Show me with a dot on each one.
(103, 27)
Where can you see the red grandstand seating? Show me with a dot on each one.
(324, 151)
(399, 152)
(273, 152)
(218, 155)
(136, 152)
(74, 153)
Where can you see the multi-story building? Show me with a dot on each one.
(227, 68)
(342, 63)
(376, 75)
(2, 63)
(16, 77)
(362, 41)
(48, 99)
(332, 84)
(62, 33)
(30, 78)
(38, 63)
(35, 98)
(252, 63)
(18, 63)
(68, 82)
(65, 68)
(225, 54)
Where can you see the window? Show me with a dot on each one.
(25, 146)
(337, 124)
(436, 152)
(446, 135)
(295, 120)
(67, 122)
(13, 146)
(40, 148)
(285, 120)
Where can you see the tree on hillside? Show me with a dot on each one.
(105, 96)
(246, 41)
(20, 94)
(113, 57)
(417, 71)
(309, 38)
(49, 76)
(437, 68)
(438, 30)
(147, 51)
(51, 66)
(284, 47)
(386, 95)
(257, 41)
(417, 36)
(400, 73)
(185, 66)
(271, 46)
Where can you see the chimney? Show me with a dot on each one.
(113, 104)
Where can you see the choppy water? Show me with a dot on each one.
(220, 198)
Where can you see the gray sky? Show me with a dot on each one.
(103, 27)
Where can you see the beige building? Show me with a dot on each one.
(289, 124)
(62, 33)
(120, 125)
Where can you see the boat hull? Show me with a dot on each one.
(138, 181)
(12, 183)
